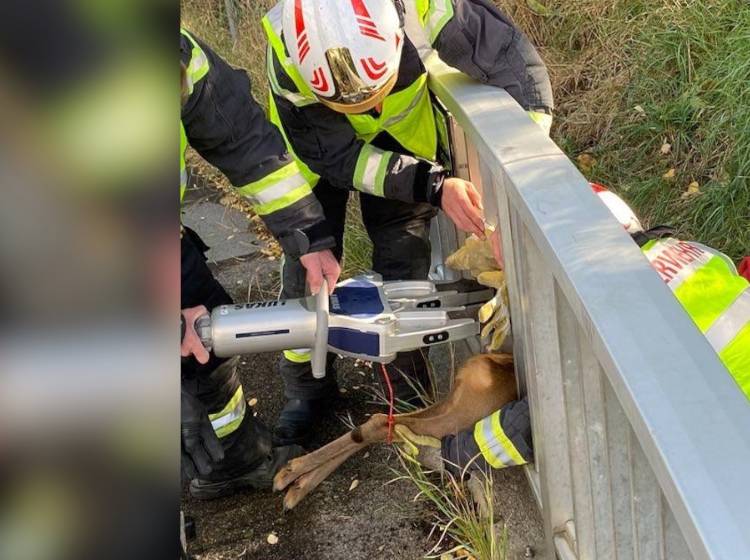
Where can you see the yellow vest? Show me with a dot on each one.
(406, 115)
(707, 285)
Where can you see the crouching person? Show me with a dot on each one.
(705, 282)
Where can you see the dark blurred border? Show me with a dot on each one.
(89, 219)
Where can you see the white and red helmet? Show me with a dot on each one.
(619, 209)
(347, 51)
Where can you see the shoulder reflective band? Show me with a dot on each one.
(277, 190)
(730, 322)
(542, 119)
(438, 14)
(372, 166)
(230, 417)
(198, 66)
(298, 356)
(183, 165)
(495, 446)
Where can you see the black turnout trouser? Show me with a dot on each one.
(401, 251)
(216, 382)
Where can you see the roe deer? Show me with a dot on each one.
(483, 385)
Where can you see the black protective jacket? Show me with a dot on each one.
(227, 127)
(478, 40)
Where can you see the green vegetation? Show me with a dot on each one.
(644, 88)
(457, 517)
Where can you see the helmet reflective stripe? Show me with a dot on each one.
(372, 165)
(729, 324)
(494, 444)
(277, 190)
(298, 356)
(230, 417)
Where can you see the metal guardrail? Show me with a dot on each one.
(642, 439)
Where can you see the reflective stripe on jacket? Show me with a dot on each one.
(707, 285)
(225, 125)
(403, 112)
(504, 437)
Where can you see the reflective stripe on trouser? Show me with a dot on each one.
(230, 417)
(494, 445)
(277, 190)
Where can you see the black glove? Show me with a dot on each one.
(201, 447)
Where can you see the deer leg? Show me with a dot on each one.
(309, 481)
(370, 432)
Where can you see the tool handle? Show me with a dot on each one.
(320, 349)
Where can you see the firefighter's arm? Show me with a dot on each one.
(475, 37)
(225, 125)
(326, 142)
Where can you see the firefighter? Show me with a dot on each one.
(349, 93)
(704, 281)
(224, 447)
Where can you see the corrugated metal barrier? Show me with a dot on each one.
(642, 439)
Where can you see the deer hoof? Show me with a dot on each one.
(283, 478)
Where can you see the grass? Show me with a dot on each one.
(457, 518)
(631, 77)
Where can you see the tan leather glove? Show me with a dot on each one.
(494, 314)
(423, 449)
(476, 257)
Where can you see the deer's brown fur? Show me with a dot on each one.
(483, 385)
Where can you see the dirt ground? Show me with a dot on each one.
(377, 520)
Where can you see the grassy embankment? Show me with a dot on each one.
(651, 98)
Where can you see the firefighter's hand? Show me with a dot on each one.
(462, 203)
(321, 265)
(201, 448)
(191, 343)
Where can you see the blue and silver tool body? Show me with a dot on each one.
(364, 318)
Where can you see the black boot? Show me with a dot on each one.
(261, 477)
(298, 420)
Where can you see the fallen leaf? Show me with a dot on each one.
(446, 556)
(353, 485)
(640, 110)
(253, 401)
(343, 391)
(586, 162)
(366, 455)
(665, 148)
(669, 174)
(693, 189)
(272, 538)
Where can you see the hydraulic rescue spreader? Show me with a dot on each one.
(364, 318)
